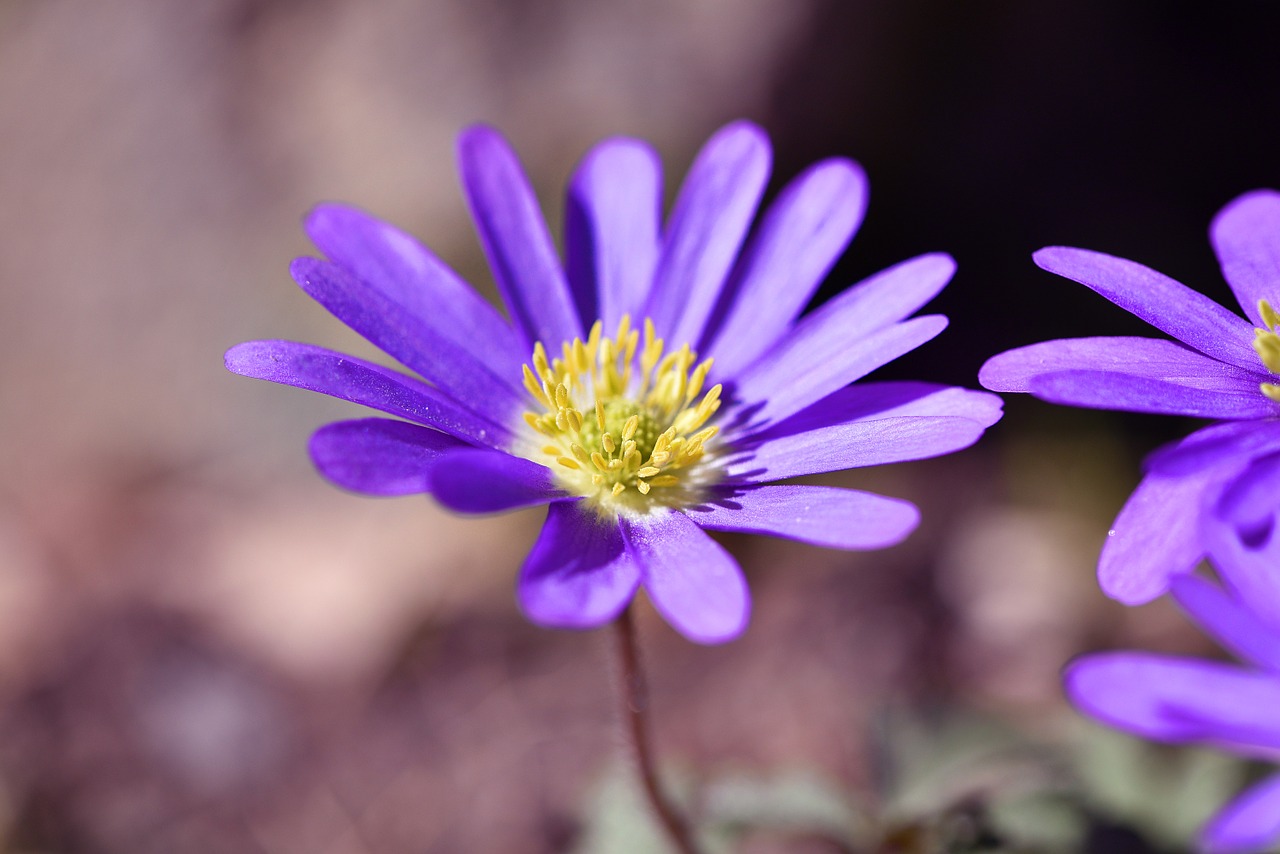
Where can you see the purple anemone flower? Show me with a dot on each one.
(1221, 367)
(1231, 706)
(654, 385)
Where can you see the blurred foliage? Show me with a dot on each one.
(947, 784)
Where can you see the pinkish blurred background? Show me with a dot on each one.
(206, 648)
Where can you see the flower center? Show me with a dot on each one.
(1266, 343)
(622, 423)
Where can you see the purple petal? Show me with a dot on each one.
(346, 377)
(612, 225)
(819, 358)
(866, 401)
(1249, 822)
(850, 445)
(1228, 620)
(515, 239)
(1178, 699)
(823, 516)
(693, 582)
(1170, 306)
(415, 344)
(378, 456)
(1155, 536)
(579, 574)
(710, 218)
(1152, 358)
(1246, 236)
(1128, 393)
(1214, 444)
(412, 278)
(476, 480)
(803, 233)
(1240, 535)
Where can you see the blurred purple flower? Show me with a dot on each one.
(1191, 700)
(1221, 367)
(635, 445)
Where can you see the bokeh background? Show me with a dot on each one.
(205, 648)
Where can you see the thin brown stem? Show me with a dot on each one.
(634, 707)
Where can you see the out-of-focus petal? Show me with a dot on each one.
(515, 238)
(1246, 236)
(1215, 444)
(1231, 622)
(336, 374)
(1168, 305)
(579, 574)
(821, 515)
(1152, 358)
(1240, 534)
(693, 582)
(850, 445)
(1178, 699)
(1250, 822)
(612, 224)
(416, 344)
(477, 480)
(420, 284)
(1127, 393)
(1154, 537)
(706, 229)
(798, 241)
(378, 456)
(819, 358)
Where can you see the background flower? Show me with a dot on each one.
(1178, 699)
(1221, 367)
(632, 459)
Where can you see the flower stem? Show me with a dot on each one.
(634, 706)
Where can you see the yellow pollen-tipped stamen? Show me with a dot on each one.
(1272, 391)
(649, 408)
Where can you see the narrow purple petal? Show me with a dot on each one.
(515, 238)
(850, 445)
(801, 236)
(820, 357)
(866, 401)
(477, 480)
(612, 224)
(411, 277)
(1170, 306)
(1127, 393)
(1155, 536)
(1246, 236)
(1240, 533)
(1152, 358)
(579, 574)
(1178, 699)
(823, 516)
(1214, 444)
(346, 377)
(1228, 620)
(693, 582)
(1248, 823)
(706, 228)
(378, 456)
(416, 344)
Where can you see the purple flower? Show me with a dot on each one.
(1221, 367)
(591, 399)
(1191, 700)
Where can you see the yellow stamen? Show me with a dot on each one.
(647, 439)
